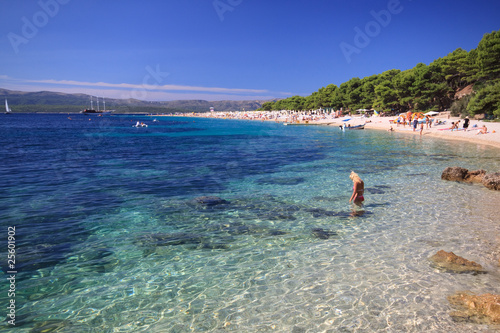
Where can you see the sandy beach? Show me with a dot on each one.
(492, 137)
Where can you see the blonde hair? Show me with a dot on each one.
(354, 177)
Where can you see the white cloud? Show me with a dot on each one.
(138, 91)
(168, 87)
(137, 94)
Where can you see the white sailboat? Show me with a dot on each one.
(7, 109)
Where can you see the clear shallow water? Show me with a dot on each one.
(110, 238)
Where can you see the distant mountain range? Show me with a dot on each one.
(47, 101)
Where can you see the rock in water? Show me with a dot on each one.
(449, 261)
(475, 176)
(454, 174)
(477, 308)
(492, 181)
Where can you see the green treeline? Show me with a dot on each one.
(422, 88)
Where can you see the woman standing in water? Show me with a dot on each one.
(358, 189)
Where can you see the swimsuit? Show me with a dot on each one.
(359, 197)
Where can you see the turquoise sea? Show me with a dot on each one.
(111, 234)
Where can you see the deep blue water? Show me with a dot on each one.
(110, 235)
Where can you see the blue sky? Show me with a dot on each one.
(225, 49)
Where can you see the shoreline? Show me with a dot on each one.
(492, 138)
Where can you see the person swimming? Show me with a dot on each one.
(358, 189)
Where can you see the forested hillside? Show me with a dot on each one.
(422, 88)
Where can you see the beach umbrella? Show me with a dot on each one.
(417, 115)
(431, 113)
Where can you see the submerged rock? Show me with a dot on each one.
(449, 261)
(52, 325)
(274, 215)
(373, 190)
(98, 260)
(492, 181)
(210, 201)
(276, 232)
(213, 246)
(281, 181)
(322, 233)
(234, 229)
(476, 308)
(160, 239)
(152, 242)
(320, 212)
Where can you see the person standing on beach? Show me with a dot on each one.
(466, 123)
(415, 122)
(421, 128)
(358, 189)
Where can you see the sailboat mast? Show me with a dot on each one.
(7, 110)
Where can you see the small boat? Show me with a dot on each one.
(356, 127)
(138, 124)
(7, 109)
(349, 127)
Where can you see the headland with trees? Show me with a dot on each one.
(465, 82)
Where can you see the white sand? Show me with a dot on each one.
(492, 138)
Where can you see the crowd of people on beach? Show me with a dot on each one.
(278, 116)
(414, 120)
